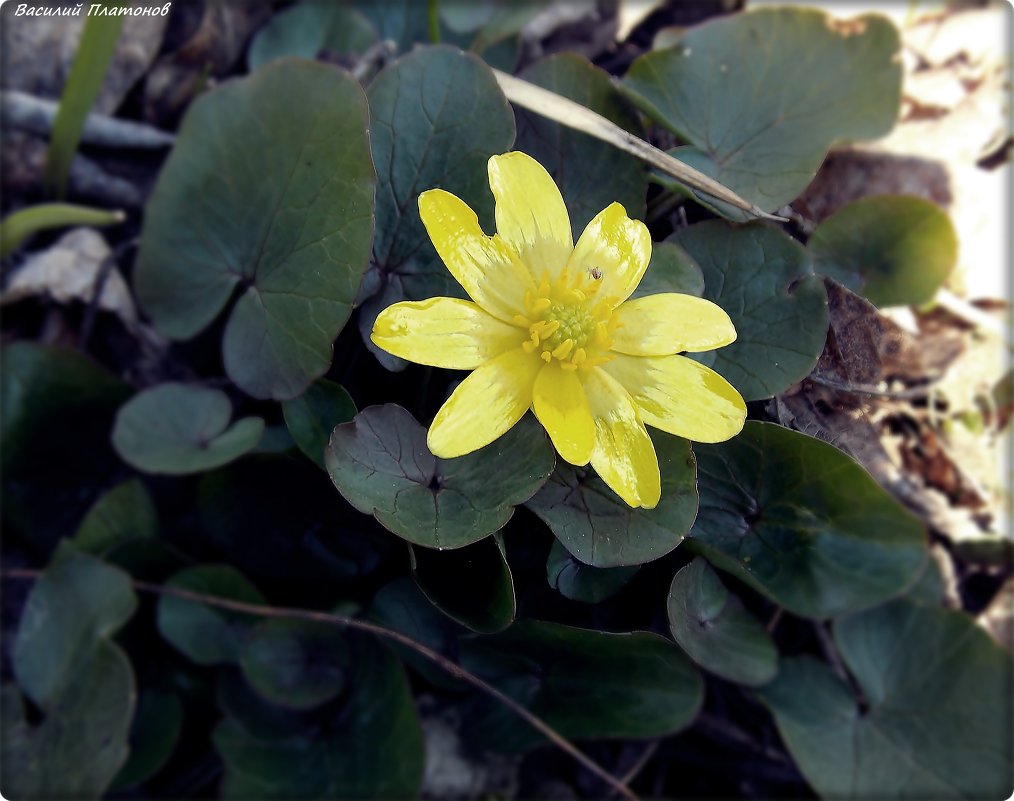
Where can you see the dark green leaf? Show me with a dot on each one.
(373, 749)
(254, 714)
(765, 282)
(78, 601)
(761, 96)
(473, 585)
(80, 682)
(308, 29)
(124, 513)
(437, 116)
(671, 269)
(803, 523)
(402, 21)
(208, 635)
(313, 415)
(713, 627)
(598, 528)
(381, 465)
(298, 664)
(153, 735)
(269, 189)
(892, 249)
(178, 429)
(575, 580)
(590, 173)
(585, 684)
(931, 722)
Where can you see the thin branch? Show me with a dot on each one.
(639, 764)
(425, 651)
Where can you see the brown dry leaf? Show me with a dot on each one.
(69, 271)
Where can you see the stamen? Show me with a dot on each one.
(528, 346)
(547, 357)
(579, 357)
(568, 366)
(563, 350)
(540, 305)
(521, 320)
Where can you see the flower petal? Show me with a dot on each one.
(660, 325)
(488, 270)
(616, 247)
(443, 332)
(485, 405)
(561, 406)
(678, 395)
(531, 216)
(624, 456)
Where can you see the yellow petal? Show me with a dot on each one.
(443, 332)
(489, 272)
(624, 456)
(531, 216)
(615, 247)
(659, 325)
(680, 396)
(485, 405)
(560, 404)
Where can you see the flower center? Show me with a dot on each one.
(567, 323)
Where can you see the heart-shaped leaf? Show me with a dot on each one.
(437, 116)
(671, 269)
(765, 282)
(586, 684)
(892, 249)
(930, 721)
(77, 678)
(268, 190)
(472, 585)
(308, 29)
(124, 513)
(298, 664)
(381, 465)
(580, 582)
(761, 96)
(153, 737)
(590, 173)
(208, 635)
(597, 527)
(372, 750)
(313, 415)
(714, 628)
(178, 429)
(803, 523)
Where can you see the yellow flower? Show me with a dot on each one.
(551, 330)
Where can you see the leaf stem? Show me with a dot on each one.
(433, 20)
(448, 665)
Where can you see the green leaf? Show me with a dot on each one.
(124, 513)
(803, 523)
(590, 173)
(277, 518)
(595, 525)
(765, 282)
(671, 269)
(893, 249)
(575, 580)
(297, 664)
(79, 681)
(717, 632)
(437, 116)
(153, 737)
(84, 82)
(56, 410)
(381, 465)
(930, 723)
(269, 191)
(760, 97)
(254, 714)
(373, 749)
(20, 225)
(208, 635)
(403, 21)
(585, 684)
(178, 429)
(313, 415)
(308, 29)
(472, 585)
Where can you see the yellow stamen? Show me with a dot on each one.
(563, 350)
(547, 357)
